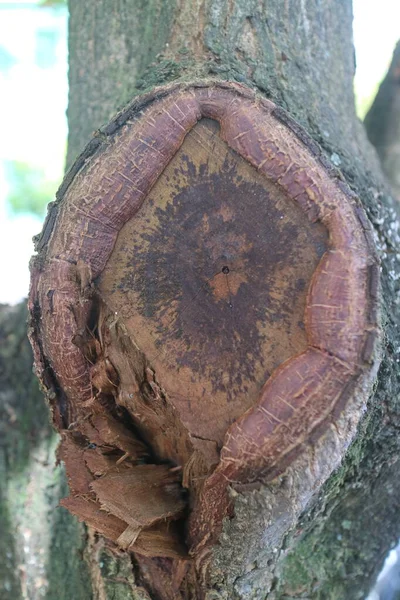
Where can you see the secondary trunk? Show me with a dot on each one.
(383, 123)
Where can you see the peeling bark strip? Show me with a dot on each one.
(130, 434)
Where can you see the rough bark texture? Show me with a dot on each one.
(17, 438)
(383, 123)
(301, 56)
(40, 544)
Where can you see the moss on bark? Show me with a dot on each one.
(67, 570)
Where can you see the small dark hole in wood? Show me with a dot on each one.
(225, 270)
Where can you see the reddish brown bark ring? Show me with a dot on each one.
(107, 186)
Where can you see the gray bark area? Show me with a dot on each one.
(383, 122)
(41, 546)
(300, 55)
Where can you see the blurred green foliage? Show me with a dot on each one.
(30, 190)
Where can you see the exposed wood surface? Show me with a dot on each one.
(210, 278)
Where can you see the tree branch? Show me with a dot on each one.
(383, 123)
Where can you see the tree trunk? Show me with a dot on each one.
(285, 540)
(41, 545)
(382, 122)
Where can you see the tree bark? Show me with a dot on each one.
(301, 56)
(382, 122)
(41, 545)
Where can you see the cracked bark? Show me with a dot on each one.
(335, 547)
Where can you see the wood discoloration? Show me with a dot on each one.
(210, 278)
(229, 280)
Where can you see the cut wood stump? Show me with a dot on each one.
(203, 306)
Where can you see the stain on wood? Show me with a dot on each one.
(210, 278)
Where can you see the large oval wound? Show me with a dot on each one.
(203, 309)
